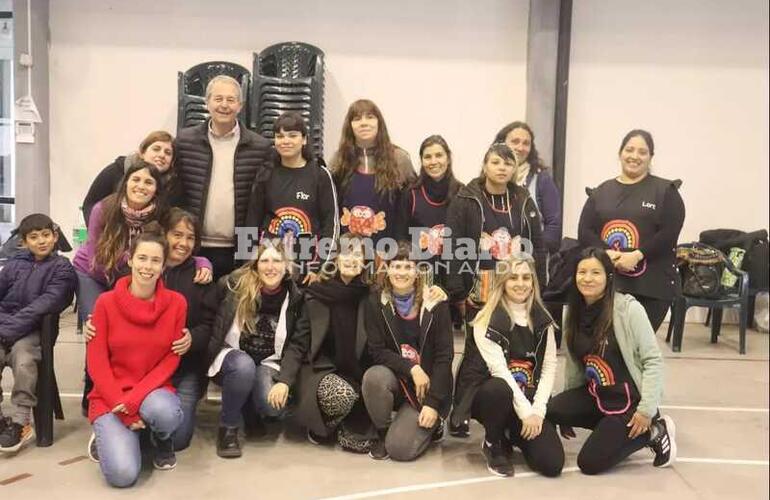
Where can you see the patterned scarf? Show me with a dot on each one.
(404, 304)
(135, 219)
(522, 171)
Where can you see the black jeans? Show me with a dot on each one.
(656, 309)
(493, 408)
(609, 443)
(222, 259)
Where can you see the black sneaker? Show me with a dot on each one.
(461, 430)
(319, 440)
(497, 462)
(14, 436)
(165, 458)
(227, 443)
(664, 442)
(377, 450)
(93, 452)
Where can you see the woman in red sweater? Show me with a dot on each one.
(131, 363)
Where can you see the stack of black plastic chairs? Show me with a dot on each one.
(191, 91)
(285, 77)
(289, 77)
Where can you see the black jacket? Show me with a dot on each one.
(473, 369)
(326, 194)
(308, 338)
(108, 181)
(466, 220)
(304, 362)
(30, 289)
(193, 165)
(436, 346)
(202, 307)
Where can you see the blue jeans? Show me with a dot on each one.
(244, 382)
(88, 291)
(120, 455)
(188, 388)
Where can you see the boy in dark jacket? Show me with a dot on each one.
(33, 283)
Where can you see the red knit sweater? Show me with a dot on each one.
(131, 353)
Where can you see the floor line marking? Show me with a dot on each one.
(715, 408)
(486, 479)
(13, 479)
(721, 461)
(73, 460)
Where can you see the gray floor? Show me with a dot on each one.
(718, 399)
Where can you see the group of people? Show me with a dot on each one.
(355, 345)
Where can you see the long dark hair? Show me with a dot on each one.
(577, 304)
(454, 184)
(533, 158)
(386, 173)
(114, 239)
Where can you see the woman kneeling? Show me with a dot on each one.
(507, 373)
(256, 317)
(614, 373)
(410, 341)
(131, 364)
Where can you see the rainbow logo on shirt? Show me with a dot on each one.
(622, 234)
(598, 371)
(289, 219)
(522, 372)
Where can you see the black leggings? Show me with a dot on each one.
(656, 309)
(609, 443)
(493, 408)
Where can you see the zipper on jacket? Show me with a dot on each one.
(425, 338)
(393, 335)
(481, 230)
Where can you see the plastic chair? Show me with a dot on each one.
(289, 77)
(48, 400)
(191, 91)
(739, 299)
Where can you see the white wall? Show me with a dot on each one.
(695, 74)
(441, 66)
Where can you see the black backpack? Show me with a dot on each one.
(701, 268)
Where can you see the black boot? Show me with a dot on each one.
(227, 443)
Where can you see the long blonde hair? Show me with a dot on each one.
(246, 285)
(497, 295)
